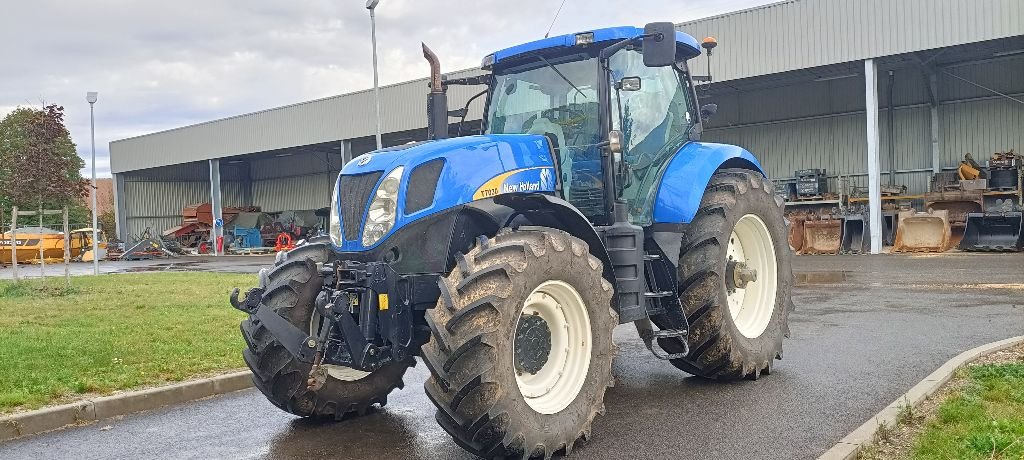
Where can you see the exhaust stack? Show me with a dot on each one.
(437, 100)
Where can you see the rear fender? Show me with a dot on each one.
(687, 175)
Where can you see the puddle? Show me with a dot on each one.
(822, 277)
(166, 267)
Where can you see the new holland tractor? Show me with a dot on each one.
(504, 260)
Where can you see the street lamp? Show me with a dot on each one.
(371, 5)
(91, 98)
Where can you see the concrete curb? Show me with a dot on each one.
(52, 418)
(849, 447)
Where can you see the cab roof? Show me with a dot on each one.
(686, 44)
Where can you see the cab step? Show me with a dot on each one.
(650, 338)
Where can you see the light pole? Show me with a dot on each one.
(91, 98)
(372, 5)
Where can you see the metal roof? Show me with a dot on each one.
(771, 39)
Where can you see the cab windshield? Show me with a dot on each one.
(557, 98)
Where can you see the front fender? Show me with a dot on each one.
(687, 175)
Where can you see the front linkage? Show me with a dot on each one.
(367, 317)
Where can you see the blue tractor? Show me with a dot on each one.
(504, 260)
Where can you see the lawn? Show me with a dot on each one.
(985, 419)
(114, 332)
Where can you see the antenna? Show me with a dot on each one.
(554, 19)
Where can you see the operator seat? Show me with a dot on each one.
(544, 126)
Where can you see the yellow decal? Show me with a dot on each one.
(382, 302)
(493, 187)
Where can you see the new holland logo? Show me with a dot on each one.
(363, 160)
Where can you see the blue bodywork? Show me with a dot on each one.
(682, 184)
(687, 45)
(470, 162)
(483, 166)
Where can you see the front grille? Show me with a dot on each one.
(355, 192)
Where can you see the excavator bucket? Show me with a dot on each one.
(958, 204)
(823, 236)
(922, 232)
(796, 232)
(889, 222)
(993, 232)
(856, 239)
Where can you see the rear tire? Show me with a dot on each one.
(739, 341)
(291, 290)
(491, 394)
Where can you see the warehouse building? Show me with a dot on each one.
(827, 84)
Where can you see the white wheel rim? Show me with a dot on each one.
(559, 380)
(339, 372)
(752, 306)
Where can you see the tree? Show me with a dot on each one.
(38, 163)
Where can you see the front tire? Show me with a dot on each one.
(291, 290)
(521, 344)
(736, 325)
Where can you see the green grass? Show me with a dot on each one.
(984, 420)
(114, 332)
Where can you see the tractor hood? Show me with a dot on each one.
(471, 168)
(492, 152)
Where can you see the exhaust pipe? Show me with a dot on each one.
(437, 100)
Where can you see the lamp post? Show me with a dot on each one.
(91, 98)
(372, 5)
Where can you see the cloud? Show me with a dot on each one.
(161, 65)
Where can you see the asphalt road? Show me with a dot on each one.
(866, 329)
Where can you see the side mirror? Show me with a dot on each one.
(615, 141)
(659, 44)
(708, 110)
(628, 84)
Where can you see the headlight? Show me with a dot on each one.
(335, 222)
(380, 218)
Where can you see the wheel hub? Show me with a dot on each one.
(738, 275)
(533, 344)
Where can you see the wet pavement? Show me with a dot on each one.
(866, 329)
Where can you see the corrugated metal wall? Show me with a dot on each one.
(802, 34)
(775, 38)
(786, 129)
(154, 198)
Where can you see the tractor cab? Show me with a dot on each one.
(576, 89)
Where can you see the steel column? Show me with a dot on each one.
(933, 84)
(120, 214)
(874, 169)
(218, 216)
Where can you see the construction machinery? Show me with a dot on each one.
(30, 240)
(922, 231)
(505, 260)
(823, 234)
(998, 227)
(856, 235)
(958, 204)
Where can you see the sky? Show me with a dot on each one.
(159, 65)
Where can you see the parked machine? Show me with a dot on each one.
(998, 226)
(505, 260)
